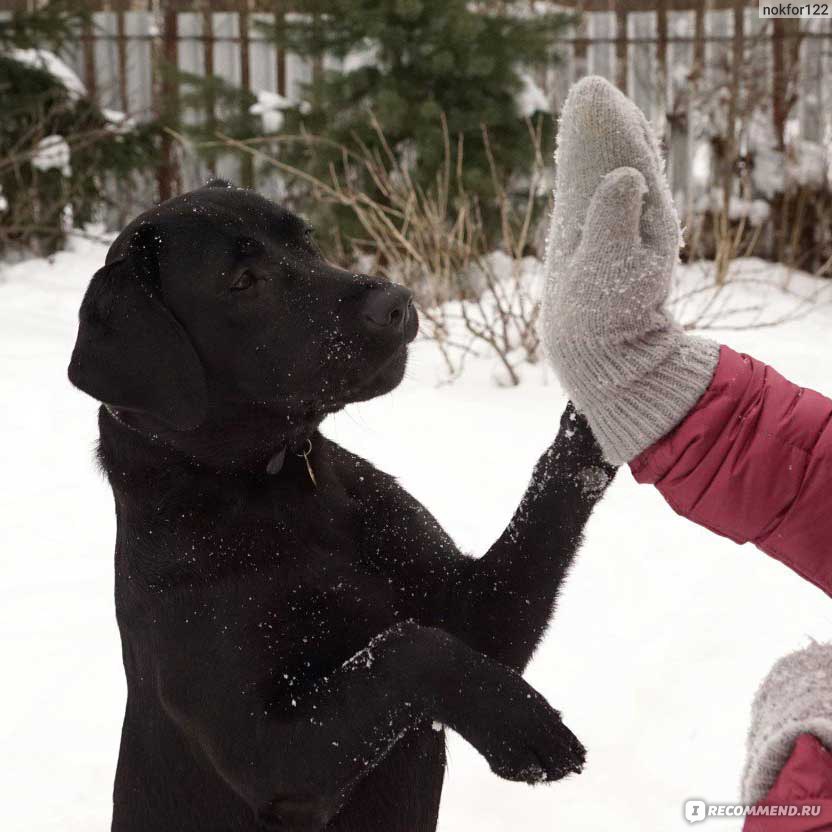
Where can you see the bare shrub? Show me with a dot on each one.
(435, 241)
(752, 294)
(764, 190)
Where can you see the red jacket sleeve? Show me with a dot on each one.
(801, 798)
(753, 462)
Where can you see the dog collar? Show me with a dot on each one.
(273, 467)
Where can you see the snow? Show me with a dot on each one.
(807, 163)
(270, 105)
(701, 164)
(49, 61)
(118, 122)
(804, 163)
(756, 211)
(52, 152)
(532, 98)
(768, 175)
(662, 634)
(366, 54)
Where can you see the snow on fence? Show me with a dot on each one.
(666, 54)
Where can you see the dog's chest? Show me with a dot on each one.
(299, 579)
(302, 571)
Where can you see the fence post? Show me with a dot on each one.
(88, 49)
(317, 60)
(779, 82)
(121, 57)
(621, 45)
(247, 160)
(737, 61)
(784, 58)
(280, 57)
(698, 42)
(166, 94)
(661, 66)
(580, 45)
(210, 99)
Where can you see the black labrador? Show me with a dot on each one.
(296, 628)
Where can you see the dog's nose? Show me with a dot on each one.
(388, 307)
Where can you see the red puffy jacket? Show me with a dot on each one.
(753, 462)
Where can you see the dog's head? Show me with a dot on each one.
(220, 297)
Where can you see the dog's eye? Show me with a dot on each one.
(245, 280)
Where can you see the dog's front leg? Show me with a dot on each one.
(501, 603)
(295, 761)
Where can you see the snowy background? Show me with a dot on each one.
(661, 637)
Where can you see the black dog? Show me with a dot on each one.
(296, 628)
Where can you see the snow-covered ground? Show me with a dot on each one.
(661, 637)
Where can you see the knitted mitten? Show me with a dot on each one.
(795, 698)
(618, 352)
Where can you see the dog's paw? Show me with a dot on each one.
(593, 480)
(576, 444)
(531, 744)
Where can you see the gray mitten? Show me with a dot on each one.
(613, 243)
(795, 698)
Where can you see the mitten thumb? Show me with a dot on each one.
(614, 213)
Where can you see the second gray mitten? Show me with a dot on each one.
(795, 698)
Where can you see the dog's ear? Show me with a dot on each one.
(131, 352)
